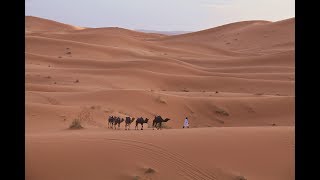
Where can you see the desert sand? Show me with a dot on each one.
(234, 82)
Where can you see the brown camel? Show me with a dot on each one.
(118, 121)
(111, 121)
(140, 120)
(158, 121)
(128, 122)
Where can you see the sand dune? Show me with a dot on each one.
(223, 153)
(235, 83)
(35, 24)
(249, 36)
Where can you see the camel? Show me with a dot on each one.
(140, 120)
(158, 121)
(110, 121)
(118, 121)
(128, 122)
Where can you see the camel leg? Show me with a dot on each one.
(142, 126)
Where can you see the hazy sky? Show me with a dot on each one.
(164, 15)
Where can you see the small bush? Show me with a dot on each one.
(220, 121)
(136, 178)
(240, 178)
(222, 112)
(150, 171)
(161, 100)
(77, 81)
(76, 124)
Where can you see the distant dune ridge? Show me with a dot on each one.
(163, 32)
(238, 76)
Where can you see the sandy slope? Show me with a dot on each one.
(217, 153)
(239, 75)
(35, 24)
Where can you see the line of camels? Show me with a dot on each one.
(114, 121)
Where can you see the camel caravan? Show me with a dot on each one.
(114, 122)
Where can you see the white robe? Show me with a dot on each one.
(186, 123)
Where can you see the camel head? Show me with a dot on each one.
(121, 120)
(167, 119)
(146, 121)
